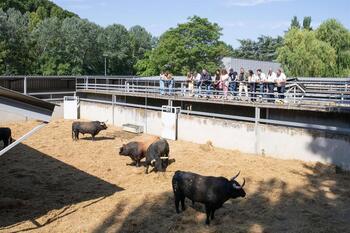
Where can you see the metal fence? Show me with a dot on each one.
(314, 93)
(331, 92)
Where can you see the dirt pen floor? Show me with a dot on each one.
(53, 184)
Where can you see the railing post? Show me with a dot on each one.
(25, 85)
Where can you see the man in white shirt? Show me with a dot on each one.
(281, 80)
(271, 79)
(262, 82)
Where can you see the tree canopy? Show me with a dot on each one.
(263, 49)
(190, 46)
(302, 54)
(335, 34)
(323, 52)
(46, 42)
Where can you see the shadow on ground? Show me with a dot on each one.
(320, 204)
(33, 183)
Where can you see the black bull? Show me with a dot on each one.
(5, 136)
(93, 128)
(213, 192)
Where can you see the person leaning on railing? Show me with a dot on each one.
(281, 80)
(169, 81)
(190, 82)
(271, 79)
(224, 80)
(217, 85)
(242, 79)
(162, 81)
(262, 82)
(252, 80)
(232, 81)
(206, 82)
(197, 82)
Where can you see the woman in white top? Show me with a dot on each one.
(190, 82)
(281, 80)
(224, 79)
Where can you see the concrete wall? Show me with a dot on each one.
(150, 120)
(275, 141)
(8, 117)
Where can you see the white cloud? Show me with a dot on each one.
(251, 2)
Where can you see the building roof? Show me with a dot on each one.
(237, 63)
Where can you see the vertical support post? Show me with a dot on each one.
(170, 102)
(146, 114)
(114, 100)
(256, 129)
(25, 85)
(267, 113)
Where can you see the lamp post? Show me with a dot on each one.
(105, 55)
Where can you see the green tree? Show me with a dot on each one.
(307, 23)
(14, 43)
(48, 49)
(304, 55)
(334, 33)
(264, 49)
(141, 42)
(115, 44)
(190, 46)
(32, 6)
(68, 47)
(294, 23)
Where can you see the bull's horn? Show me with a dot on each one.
(164, 157)
(233, 178)
(153, 161)
(243, 183)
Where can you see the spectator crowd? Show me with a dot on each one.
(226, 84)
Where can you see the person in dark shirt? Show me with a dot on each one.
(233, 81)
(206, 82)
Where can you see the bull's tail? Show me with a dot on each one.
(175, 182)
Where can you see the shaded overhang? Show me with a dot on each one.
(15, 102)
(31, 107)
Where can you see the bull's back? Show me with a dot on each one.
(85, 127)
(144, 145)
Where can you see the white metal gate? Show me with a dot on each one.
(169, 122)
(70, 107)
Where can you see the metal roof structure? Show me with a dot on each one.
(247, 64)
(15, 102)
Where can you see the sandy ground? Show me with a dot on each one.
(52, 184)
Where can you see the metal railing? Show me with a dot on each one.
(307, 93)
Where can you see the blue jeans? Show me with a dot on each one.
(206, 86)
(233, 88)
(170, 86)
(281, 90)
(161, 86)
(252, 89)
(263, 87)
(271, 87)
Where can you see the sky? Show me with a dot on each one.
(240, 19)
